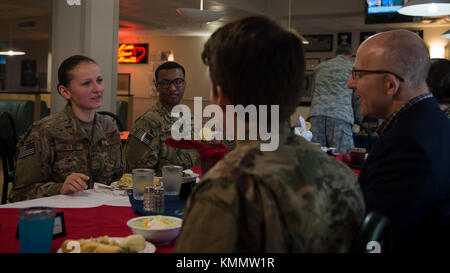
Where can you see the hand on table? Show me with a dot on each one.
(75, 182)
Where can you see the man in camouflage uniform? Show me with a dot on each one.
(59, 145)
(293, 199)
(145, 147)
(331, 113)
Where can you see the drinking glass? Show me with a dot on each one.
(141, 178)
(36, 229)
(172, 177)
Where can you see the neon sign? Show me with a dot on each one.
(133, 53)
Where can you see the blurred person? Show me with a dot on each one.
(406, 175)
(439, 83)
(293, 199)
(145, 146)
(332, 113)
(70, 150)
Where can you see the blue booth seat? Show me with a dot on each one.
(22, 112)
(121, 112)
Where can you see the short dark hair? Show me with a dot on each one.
(344, 50)
(169, 65)
(64, 76)
(258, 62)
(438, 80)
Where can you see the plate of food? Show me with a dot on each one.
(104, 244)
(188, 175)
(126, 182)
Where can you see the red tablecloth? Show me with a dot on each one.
(80, 223)
(341, 158)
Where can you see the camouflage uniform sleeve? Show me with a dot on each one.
(143, 145)
(116, 154)
(33, 168)
(202, 230)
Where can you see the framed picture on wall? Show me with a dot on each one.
(344, 38)
(306, 91)
(123, 83)
(28, 73)
(311, 63)
(319, 43)
(364, 35)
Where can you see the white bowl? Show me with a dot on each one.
(158, 236)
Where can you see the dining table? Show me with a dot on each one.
(88, 214)
(92, 213)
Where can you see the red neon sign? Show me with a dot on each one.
(133, 53)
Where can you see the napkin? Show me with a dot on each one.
(303, 131)
(207, 152)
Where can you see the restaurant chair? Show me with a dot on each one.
(119, 123)
(8, 142)
(374, 235)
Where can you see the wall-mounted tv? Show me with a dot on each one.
(385, 12)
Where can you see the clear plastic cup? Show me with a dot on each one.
(172, 178)
(141, 178)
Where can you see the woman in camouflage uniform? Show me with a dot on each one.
(68, 151)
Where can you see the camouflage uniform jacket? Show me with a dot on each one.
(331, 97)
(56, 146)
(145, 147)
(294, 199)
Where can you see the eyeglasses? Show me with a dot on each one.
(356, 71)
(178, 82)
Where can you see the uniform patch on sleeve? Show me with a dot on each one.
(26, 150)
(143, 136)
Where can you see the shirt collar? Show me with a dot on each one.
(78, 133)
(392, 119)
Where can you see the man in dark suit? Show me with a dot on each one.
(407, 174)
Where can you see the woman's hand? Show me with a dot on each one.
(75, 182)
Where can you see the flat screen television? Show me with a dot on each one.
(385, 12)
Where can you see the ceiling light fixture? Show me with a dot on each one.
(446, 34)
(200, 15)
(426, 8)
(10, 51)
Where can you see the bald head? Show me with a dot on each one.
(400, 51)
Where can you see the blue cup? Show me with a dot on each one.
(36, 229)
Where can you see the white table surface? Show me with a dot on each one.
(86, 199)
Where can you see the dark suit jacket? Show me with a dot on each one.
(407, 176)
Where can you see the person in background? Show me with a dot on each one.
(293, 199)
(68, 151)
(145, 147)
(406, 175)
(331, 114)
(439, 83)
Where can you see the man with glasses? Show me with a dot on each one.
(145, 146)
(407, 174)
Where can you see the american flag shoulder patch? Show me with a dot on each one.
(26, 150)
(143, 136)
